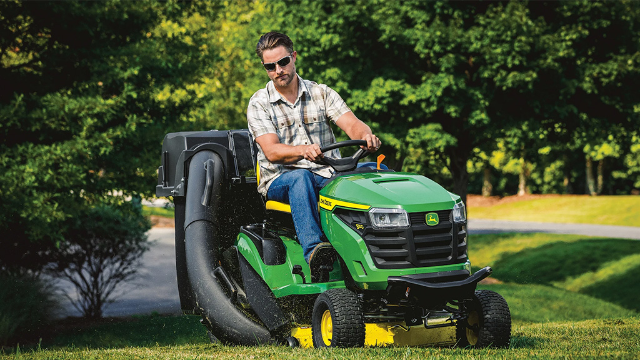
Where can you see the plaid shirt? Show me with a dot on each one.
(302, 123)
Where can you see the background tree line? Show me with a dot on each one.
(483, 97)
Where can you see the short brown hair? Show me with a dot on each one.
(272, 40)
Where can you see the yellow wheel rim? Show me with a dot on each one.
(473, 328)
(326, 328)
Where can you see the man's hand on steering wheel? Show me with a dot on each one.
(373, 143)
(312, 152)
(347, 163)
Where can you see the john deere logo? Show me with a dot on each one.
(432, 219)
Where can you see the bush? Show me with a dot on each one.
(102, 250)
(26, 305)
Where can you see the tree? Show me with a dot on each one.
(597, 45)
(89, 91)
(65, 112)
(468, 67)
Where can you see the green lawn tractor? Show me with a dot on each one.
(401, 274)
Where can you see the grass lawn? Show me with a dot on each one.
(540, 304)
(570, 296)
(164, 338)
(604, 269)
(158, 211)
(579, 303)
(604, 210)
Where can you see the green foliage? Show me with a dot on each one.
(26, 307)
(91, 91)
(138, 331)
(632, 163)
(524, 75)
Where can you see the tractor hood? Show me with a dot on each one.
(412, 192)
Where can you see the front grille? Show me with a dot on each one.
(420, 245)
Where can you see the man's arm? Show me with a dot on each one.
(279, 153)
(357, 130)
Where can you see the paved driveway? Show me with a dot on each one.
(477, 226)
(156, 289)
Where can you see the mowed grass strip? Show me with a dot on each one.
(603, 210)
(560, 260)
(605, 269)
(486, 250)
(613, 338)
(539, 304)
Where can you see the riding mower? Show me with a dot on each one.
(400, 274)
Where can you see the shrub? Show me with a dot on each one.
(102, 250)
(26, 305)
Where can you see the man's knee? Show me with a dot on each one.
(303, 181)
(302, 177)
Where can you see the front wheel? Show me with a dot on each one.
(488, 322)
(337, 320)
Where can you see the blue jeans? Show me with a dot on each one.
(300, 189)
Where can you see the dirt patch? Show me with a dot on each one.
(161, 222)
(481, 201)
(490, 281)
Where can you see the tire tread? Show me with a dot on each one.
(348, 322)
(495, 330)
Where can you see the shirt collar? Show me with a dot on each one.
(274, 95)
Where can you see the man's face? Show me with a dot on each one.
(281, 76)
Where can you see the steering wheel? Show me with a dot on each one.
(347, 163)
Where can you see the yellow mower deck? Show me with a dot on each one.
(390, 334)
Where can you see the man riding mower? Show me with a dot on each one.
(398, 268)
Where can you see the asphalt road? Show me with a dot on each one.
(500, 226)
(156, 290)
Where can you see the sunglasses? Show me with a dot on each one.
(282, 62)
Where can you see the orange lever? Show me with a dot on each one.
(379, 160)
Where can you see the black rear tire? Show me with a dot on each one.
(488, 322)
(212, 338)
(337, 320)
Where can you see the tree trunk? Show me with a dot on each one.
(523, 189)
(522, 184)
(487, 187)
(458, 159)
(600, 180)
(591, 182)
(399, 164)
(568, 189)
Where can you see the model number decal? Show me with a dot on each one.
(324, 201)
(328, 204)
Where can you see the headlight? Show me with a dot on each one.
(459, 212)
(388, 218)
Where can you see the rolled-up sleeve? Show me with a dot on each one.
(334, 105)
(259, 119)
